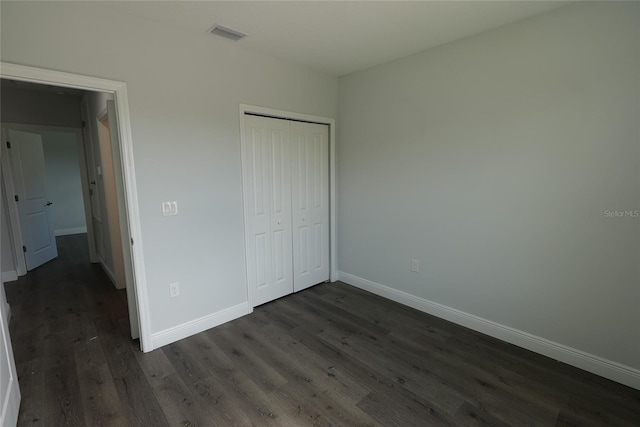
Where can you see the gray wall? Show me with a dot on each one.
(63, 181)
(493, 161)
(184, 90)
(20, 105)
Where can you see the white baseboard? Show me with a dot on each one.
(196, 326)
(68, 231)
(9, 276)
(580, 359)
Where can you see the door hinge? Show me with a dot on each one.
(8, 144)
(132, 241)
(16, 198)
(24, 249)
(84, 125)
(90, 192)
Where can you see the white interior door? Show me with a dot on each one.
(94, 175)
(109, 145)
(34, 207)
(268, 208)
(310, 202)
(125, 259)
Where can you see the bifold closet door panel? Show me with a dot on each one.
(310, 202)
(267, 165)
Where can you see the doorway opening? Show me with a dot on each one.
(124, 215)
(47, 170)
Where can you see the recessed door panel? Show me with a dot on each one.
(279, 249)
(318, 234)
(258, 174)
(302, 260)
(261, 260)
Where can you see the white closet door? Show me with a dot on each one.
(310, 201)
(267, 158)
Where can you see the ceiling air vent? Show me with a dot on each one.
(227, 33)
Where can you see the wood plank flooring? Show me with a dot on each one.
(330, 355)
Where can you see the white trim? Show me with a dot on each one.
(133, 216)
(40, 75)
(9, 276)
(333, 221)
(10, 405)
(119, 89)
(245, 220)
(68, 231)
(196, 326)
(580, 359)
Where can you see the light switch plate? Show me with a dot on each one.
(169, 208)
(174, 290)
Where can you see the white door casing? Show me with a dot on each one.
(34, 208)
(310, 201)
(119, 90)
(269, 226)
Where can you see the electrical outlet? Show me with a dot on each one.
(415, 265)
(174, 290)
(169, 208)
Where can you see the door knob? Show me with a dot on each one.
(49, 203)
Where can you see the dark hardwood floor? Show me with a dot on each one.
(330, 355)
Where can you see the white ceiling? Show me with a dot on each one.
(338, 37)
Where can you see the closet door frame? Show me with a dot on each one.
(279, 114)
